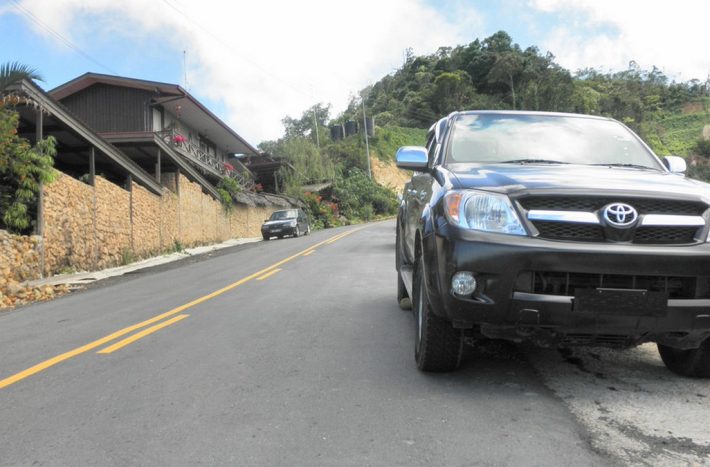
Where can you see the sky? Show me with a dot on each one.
(253, 63)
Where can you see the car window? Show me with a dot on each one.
(279, 215)
(568, 139)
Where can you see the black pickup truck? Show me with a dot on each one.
(557, 229)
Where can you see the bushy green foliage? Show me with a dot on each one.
(361, 198)
(321, 213)
(702, 147)
(23, 168)
(496, 73)
(228, 188)
(699, 172)
(306, 163)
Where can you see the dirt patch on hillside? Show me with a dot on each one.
(693, 107)
(386, 173)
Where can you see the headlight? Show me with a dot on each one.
(292, 223)
(482, 211)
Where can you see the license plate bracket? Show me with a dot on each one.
(631, 302)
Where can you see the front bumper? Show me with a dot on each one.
(505, 306)
(278, 231)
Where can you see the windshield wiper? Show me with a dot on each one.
(622, 164)
(532, 161)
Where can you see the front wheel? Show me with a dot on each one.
(297, 232)
(694, 363)
(403, 298)
(438, 346)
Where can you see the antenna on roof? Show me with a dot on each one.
(184, 68)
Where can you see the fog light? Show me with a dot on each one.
(463, 283)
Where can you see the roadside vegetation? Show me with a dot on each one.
(23, 167)
(492, 73)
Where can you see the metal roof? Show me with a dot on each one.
(192, 112)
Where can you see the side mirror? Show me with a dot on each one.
(675, 164)
(412, 158)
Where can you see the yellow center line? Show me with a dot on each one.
(268, 274)
(122, 332)
(308, 253)
(337, 237)
(139, 335)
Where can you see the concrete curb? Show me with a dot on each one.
(82, 278)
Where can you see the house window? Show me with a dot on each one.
(157, 120)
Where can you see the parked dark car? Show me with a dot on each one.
(293, 222)
(557, 229)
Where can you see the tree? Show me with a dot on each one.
(23, 167)
(505, 69)
(14, 72)
(311, 119)
(452, 91)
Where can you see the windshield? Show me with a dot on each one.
(499, 138)
(279, 215)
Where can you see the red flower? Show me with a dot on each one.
(228, 166)
(179, 139)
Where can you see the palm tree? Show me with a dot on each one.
(14, 72)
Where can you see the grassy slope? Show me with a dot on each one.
(387, 140)
(675, 134)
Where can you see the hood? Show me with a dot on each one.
(510, 179)
(279, 222)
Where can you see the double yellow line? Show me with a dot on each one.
(262, 274)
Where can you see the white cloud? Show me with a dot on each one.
(266, 59)
(607, 34)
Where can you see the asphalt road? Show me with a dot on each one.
(288, 352)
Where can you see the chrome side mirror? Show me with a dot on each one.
(412, 158)
(675, 164)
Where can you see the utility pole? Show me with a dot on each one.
(315, 127)
(367, 144)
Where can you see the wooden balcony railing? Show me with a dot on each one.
(204, 160)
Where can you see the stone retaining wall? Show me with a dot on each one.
(19, 259)
(89, 228)
(68, 226)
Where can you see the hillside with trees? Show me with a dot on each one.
(493, 73)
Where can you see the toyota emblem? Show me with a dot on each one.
(620, 215)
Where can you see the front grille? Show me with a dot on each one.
(565, 283)
(650, 235)
(591, 204)
(660, 235)
(570, 231)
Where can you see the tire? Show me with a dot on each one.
(438, 347)
(694, 363)
(308, 230)
(402, 296)
(403, 299)
(297, 232)
(266, 238)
